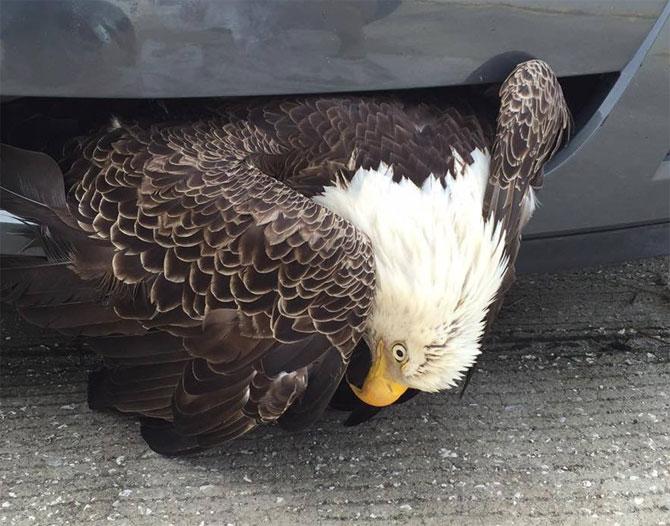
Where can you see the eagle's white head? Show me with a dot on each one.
(439, 266)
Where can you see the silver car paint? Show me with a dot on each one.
(168, 48)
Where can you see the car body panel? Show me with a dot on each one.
(614, 174)
(170, 48)
(614, 171)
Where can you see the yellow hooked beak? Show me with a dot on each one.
(379, 390)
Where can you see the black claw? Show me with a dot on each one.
(468, 377)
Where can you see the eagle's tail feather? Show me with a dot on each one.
(49, 294)
(32, 188)
(162, 438)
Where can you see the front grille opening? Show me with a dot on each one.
(585, 93)
(45, 124)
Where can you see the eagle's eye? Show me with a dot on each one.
(399, 352)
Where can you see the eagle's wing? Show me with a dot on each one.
(324, 138)
(223, 297)
(533, 123)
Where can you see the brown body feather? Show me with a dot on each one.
(221, 295)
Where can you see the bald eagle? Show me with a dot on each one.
(229, 267)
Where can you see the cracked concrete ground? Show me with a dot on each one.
(567, 421)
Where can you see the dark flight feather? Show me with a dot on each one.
(533, 123)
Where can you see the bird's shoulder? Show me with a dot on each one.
(306, 143)
(312, 141)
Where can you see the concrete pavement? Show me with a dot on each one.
(567, 421)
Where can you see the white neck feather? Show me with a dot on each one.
(439, 265)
